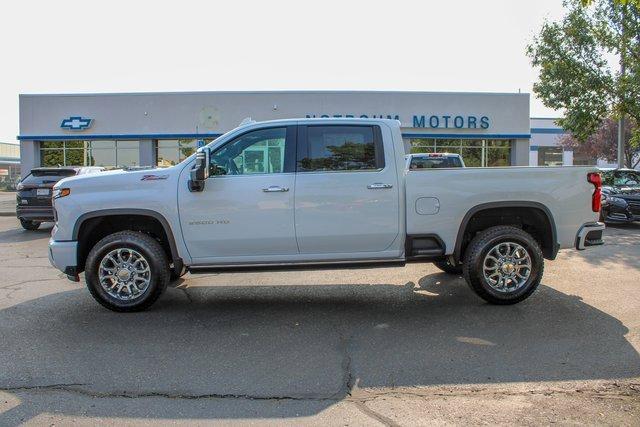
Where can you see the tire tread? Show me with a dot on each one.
(479, 243)
(155, 252)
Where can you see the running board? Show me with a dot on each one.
(203, 269)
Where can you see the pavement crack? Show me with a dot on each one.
(77, 388)
(348, 380)
(362, 407)
(186, 293)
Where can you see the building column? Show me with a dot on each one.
(520, 152)
(29, 156)
(533, 155)
(147, 153)
(567, 157)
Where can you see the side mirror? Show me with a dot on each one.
(200, 170)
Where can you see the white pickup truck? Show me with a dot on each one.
(317, 192)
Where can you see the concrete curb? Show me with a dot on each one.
(7, 214)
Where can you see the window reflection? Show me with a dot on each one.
(474, 152)
(106, 153)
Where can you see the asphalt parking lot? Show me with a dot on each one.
(396, 346)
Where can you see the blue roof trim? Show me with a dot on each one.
(116, 136)
(468, 135)
(556, 131)
(215, 135)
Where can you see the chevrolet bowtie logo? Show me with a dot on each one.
(76, 123)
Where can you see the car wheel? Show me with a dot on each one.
(447, 267)
(127, 271)
(503, 265)
(29, 225)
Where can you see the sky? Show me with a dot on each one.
(152, 46)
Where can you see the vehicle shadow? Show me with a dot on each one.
(621, 246)
(18, 234)
(295, 350)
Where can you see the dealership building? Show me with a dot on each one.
(161, 129)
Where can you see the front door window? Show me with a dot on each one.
(257, 152)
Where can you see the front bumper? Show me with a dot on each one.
(626, 212)
(64, 256)
(590, 234)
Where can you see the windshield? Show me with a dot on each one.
(435, 162)
(621, 178)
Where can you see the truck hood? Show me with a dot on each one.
(118, 177)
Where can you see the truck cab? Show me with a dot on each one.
(316, 192)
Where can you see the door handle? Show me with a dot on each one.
(378, 186)
(275, 189)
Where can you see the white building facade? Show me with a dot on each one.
(546, 149)
(149, 129)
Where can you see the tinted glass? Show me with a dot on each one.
(434, 162)
(623, 178)
(549, 156)
(607, 177)
(36, 178)
(332, 148)
(257, 152)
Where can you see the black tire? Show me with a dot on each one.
(447, 267)
(150, 249)
(475, 255)
(29, 225)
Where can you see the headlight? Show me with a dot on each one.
(60, 192)
(20, 187)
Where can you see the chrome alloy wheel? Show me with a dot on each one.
(507, 267)
(124, 274)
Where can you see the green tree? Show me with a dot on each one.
(579, 59)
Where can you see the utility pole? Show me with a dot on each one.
(623, 50)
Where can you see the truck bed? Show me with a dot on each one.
(437, 200)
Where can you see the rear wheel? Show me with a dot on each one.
(447, 267)
(127, 271)
(503, 265)
(29, 225)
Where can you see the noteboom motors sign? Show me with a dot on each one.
(432, 121)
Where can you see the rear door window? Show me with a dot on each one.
(340, 148)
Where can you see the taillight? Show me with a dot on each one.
(596, 199)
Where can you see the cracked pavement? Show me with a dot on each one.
(393, 346)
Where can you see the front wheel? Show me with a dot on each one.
(503, 265)
(29, 225)
(127, 271)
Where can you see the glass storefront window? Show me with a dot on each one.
(474, 152)
(109, 154)
(549, 156)
(170, 152)
(582, 158)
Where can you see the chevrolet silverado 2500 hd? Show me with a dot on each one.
(317, 192)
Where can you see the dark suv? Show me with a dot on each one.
(620, 195)
(33, 199)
